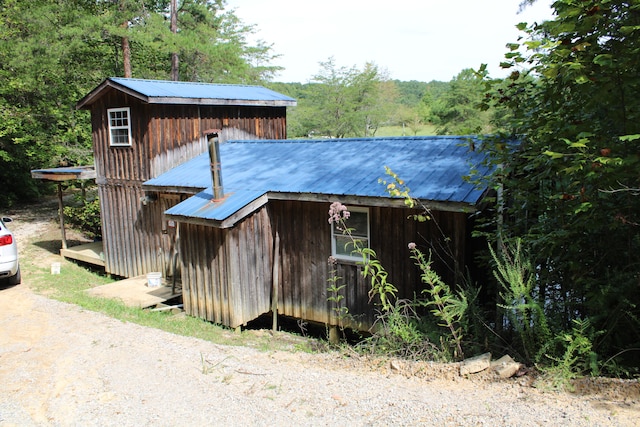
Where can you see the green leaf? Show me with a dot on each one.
(582, 79)
(628, 29)
(626, 138)
(553, 154)
(604, 60)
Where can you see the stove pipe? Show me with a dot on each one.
(214, 159)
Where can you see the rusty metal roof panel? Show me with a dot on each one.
(432, 167)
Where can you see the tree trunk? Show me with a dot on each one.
(126, 56)
(175, 62)
(126, 49)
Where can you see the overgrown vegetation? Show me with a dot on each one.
(570, 190)
(522, 323)
(398, 328)
(84, 214)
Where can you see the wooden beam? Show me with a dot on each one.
(61, 215)
(276, 281)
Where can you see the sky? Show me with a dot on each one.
(419, 40)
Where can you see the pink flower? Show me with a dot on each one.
(332, 261)
(412, 246)
(338, 212)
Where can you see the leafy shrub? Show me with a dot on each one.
(85, 215)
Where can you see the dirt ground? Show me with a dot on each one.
(61, 365)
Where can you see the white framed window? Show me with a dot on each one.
(119, 126)
(341, 245)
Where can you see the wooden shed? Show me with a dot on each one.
(265, 238)
(143, 128)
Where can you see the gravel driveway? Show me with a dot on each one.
(63, 366)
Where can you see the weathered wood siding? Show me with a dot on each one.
(164, 136)
(306, 246)
(227, 274)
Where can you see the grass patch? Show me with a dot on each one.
(74, 279)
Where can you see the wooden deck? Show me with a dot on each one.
(91, 253)
(134, 292)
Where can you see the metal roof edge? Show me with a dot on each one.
(384, 202)
(245, 211)
(88, 99)
(228, 222)
(355, 139)
(115, 82)
(65, 173)
(174, 100)
(172, 189)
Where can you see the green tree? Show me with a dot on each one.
(52, 53)
(210, 43)
(47, 56)
(346, 101)
(570, 187)
(458, 109)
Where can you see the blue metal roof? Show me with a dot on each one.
(171, 92)
(203, 206)
(432, 167)
(65, 173)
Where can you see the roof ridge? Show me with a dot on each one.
(182, 82)
(353, 139)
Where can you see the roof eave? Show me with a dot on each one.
(383, 202)
(172, 189)
(92, 96)
(227, 222)
(64, 174)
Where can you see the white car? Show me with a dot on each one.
(9, 265)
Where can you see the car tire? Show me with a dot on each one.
(16, 279)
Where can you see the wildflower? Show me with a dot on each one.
(412, 246)
(338, 212)
(332, 261)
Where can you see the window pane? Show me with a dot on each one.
(119, 118)
(357, 223)
(119, 126)
(119, 136)
(344, 246)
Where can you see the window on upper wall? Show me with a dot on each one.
(119, 126)
(358, 223)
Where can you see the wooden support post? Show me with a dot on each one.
(61, 214)
(334, 335)
(275, 277)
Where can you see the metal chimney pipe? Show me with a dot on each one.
(214, 158)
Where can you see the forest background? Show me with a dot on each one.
(566, 288)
